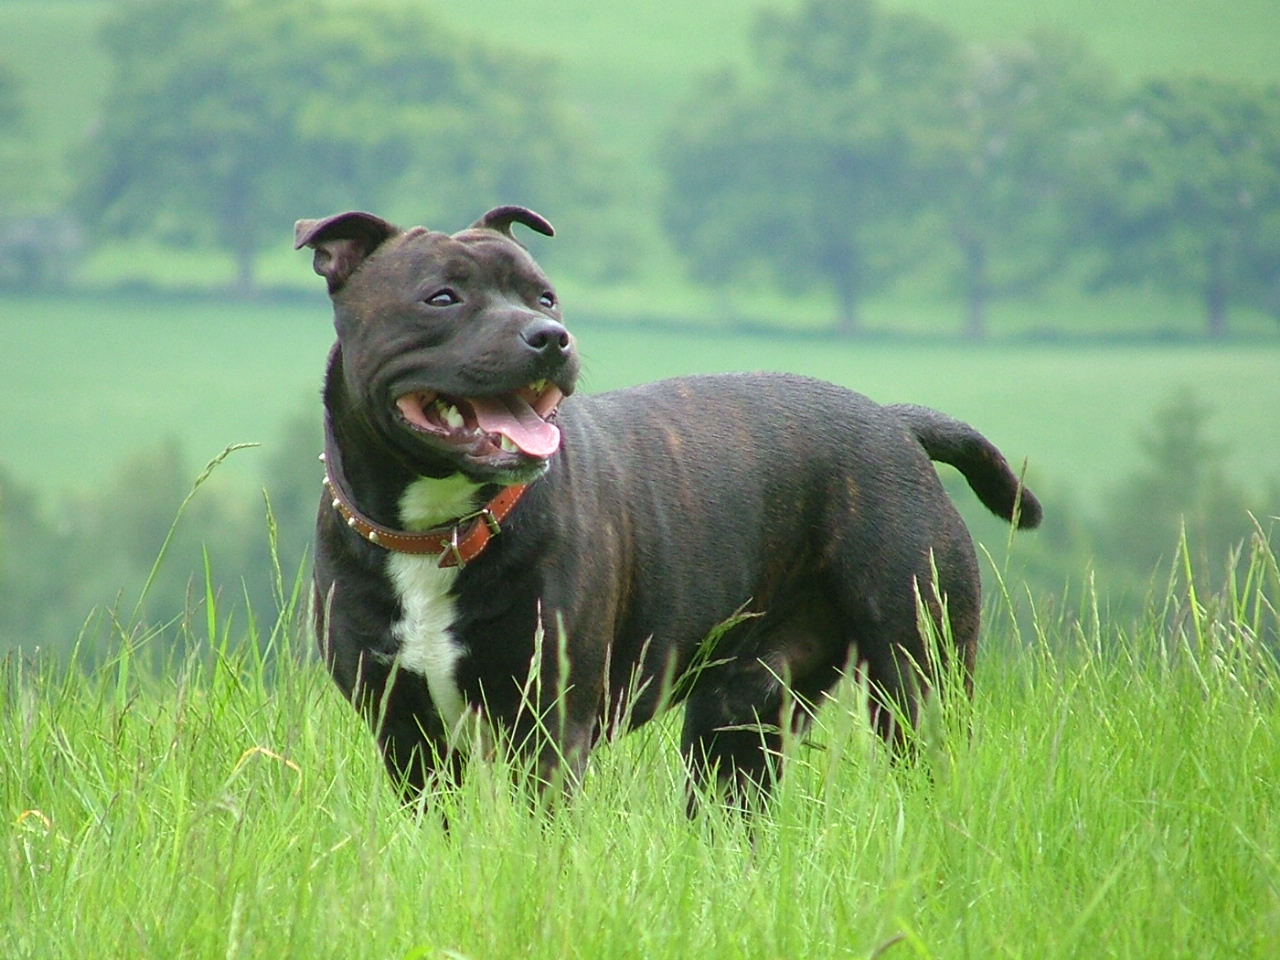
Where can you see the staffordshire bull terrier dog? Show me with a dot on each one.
(497, 558)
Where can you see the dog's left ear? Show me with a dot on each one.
(501, 219)
(341, 242)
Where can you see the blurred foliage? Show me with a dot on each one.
(859, 151)
(1180, 499)
(1183, 483)
(88, 566)
(1186, 192)
(816, 169)
(1005, 188)
(864, 147)
(36, 249)
(866, 138)
(229, 118)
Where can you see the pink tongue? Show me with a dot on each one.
(512, 417)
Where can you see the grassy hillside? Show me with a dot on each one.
(1105, 796)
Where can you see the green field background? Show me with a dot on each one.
(84, 381)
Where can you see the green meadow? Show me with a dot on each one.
(1109, 793)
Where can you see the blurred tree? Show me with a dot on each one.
(1184, 483)
(13, 117)
(1262, 258)
(291, 483)
(26, 561)
(1024, 110)
(1187, 193)
(38, 245)
(813, 169)
(228, 119)
(87, 560)
(11, 109)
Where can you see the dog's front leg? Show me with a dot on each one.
(560, 761)
(398, 708)
(558, 718)
(408, 729)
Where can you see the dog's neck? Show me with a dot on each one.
(371, 482)
(428, 502)
(388, 501)
(437, 516)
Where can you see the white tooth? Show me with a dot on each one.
(507, 444)
(452, 417)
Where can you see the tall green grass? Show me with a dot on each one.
(1112, 791)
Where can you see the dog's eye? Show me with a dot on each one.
(443, 298)
(548, 299)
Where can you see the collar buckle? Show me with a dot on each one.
(452, 555)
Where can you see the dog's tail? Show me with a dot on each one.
(952, 441)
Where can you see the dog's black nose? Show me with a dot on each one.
(546, 336)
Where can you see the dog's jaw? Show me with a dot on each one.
(513, 433)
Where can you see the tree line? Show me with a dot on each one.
(868, 138)
(860, 143)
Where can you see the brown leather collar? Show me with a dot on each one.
(456, 543)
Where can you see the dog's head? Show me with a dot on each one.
(452, 347)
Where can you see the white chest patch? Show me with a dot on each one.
(428, 647)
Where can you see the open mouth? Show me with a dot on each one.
(519, 422)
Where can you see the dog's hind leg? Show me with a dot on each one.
(907, 648)
(893, 691)
(741, 713)
(732, 739)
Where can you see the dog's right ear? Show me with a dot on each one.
(341, 242)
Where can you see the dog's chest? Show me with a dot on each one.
(427, 646)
